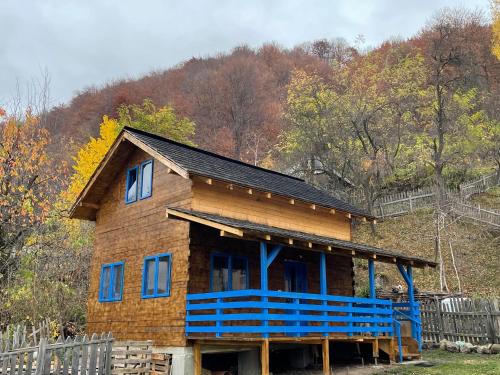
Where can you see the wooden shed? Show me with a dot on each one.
(197, 251)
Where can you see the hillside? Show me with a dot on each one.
(476, 251)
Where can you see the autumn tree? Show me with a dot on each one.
(28, 183)
(449, 40)
(356, 125)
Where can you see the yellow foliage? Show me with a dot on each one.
(90, 155)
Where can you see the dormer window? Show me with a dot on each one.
(146, 179)
(131, 186)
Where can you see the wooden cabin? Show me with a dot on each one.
(200, 252)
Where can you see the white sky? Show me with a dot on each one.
(90, 42)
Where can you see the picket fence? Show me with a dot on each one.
(476, 321)
(98, 355)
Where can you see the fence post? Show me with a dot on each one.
(490, 324)
(40, 359)
(439, 319)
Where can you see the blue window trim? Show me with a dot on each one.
(229, 258)
(143, 164)
(156, 258)
(136, 168)
(111, 266)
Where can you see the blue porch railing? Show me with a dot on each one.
(264, 312)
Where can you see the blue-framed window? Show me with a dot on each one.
(146, 179)
(111, 283)
(228, 272)
(156, 276)
(132, 185)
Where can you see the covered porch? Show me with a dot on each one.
(264, 314)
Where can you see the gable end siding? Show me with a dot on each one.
(128, 233)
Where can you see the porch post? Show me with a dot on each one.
(411, 300)
(264, 284)
(323, 286)
(373, 294)
(371, 277)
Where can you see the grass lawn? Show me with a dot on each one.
(451, 363)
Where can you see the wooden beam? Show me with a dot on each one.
(230, 186)
(264, 357)
(348, 215)
(267, 237)
(209, 181)
(363, 219)
(250, 191)
(268, 195)
(310, 245)
(332, 211)
(329, 248)
(374, 221)
(94, 206)
(291, 201)
(197, 358)
(226, 228)
(325, 345)
(313, 206)
(290, 241)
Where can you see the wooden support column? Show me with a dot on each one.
(325, 344)
(264, 357)
(197, 358)
(375, 351)
(323, 286)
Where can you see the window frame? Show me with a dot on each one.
(141, 170)
(230, 258)
(111, 266)
(136, 168)
(156, 258)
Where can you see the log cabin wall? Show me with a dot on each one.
(205, 241)
(129, 233)
(278, 212)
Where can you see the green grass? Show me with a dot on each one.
(451, 363)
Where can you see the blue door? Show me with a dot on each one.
(295, 281)
(295, 277)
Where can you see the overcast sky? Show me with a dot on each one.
(89, 42)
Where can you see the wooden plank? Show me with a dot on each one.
(84, 360)
(93, 355)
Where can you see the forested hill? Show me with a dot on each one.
(237, 99)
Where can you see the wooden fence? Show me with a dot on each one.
(478, 186)
(80, 355)
(99, 355)
(465, 209)
(460, 319)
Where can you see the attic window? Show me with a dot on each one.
(131, 186)
(146, 179)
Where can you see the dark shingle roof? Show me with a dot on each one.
(301, 236)
(200, 162)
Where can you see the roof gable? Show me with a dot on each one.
(188, 161)
(207, 164)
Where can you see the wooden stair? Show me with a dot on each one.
(409, 347)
